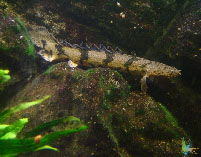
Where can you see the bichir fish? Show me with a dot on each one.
(51, 50)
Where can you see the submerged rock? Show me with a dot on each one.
(120, 122)
(17, 54)
(181, 46)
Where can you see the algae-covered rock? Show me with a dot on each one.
(17, 53)
(120, 122)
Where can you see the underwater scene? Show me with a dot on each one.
(102, 78)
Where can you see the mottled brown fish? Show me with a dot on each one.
(51, 50)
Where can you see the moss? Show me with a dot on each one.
(105, 104)
(30, 50)
(111, 92)
(30, 47)
(56, 75)
(90, 72)
(101, 82)
(15, 28)
(18, 28)
(140, 112)
(53, 74)
(77, 75)
(160, 131)
(170, 118)
(106, 92)
(5, 49)
(49, 70)
(12, 33)
(118, 74)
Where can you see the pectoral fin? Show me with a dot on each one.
(143, 83)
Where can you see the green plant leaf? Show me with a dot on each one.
(16, 146)
(30, 49)
(4, 76)
(3, 72)
(3, 126)
(56, 135)
(12, 130)
(171, 119)
(47, 147)
(48, 125)
(5, 114)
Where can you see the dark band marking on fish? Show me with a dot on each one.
(109, 58)
(44, 43)
(92, 66)
(38, 49)
(84, 56)
(50, 52)
(59, 49)
(129, 62)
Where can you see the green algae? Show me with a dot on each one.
(170, 118)
(49, 70)
(101, 83)
(118, 74)
(87, 74)
(77, 75)
(54, 74)
(15, 35)
(30, 47)
(90, 72)
(111, 92)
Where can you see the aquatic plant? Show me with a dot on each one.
(21, 27)
(10, 145)
(170, 118)
(4, 76)
(15, 36)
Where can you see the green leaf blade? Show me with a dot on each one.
(5, 114)
(12, 130)
(16, 146)
(49, 125)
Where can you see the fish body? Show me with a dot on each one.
(51, 50)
